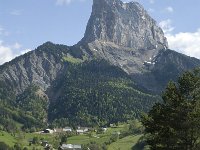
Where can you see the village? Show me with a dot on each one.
(68, 131)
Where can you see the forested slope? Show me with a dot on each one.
(97, 93)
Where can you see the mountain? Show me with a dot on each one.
(39, 67)
(123, 24)
(124, 34)
(97, 93)
(113, 74)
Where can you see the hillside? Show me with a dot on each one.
(97, 93)
(111, 75)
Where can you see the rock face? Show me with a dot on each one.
(124, 24)
(169, 65)
(124, 34)
(39, 67)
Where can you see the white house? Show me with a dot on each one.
(67, 129)
(104, 129)
(82, 130)
(48, 131)
(70, 147)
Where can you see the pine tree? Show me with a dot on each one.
(175, 123)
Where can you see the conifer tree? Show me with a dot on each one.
(174, 124)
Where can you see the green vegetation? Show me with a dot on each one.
(174, 124)
(27, 111)
(7, 138)
(87, 93)
(108, 140)
(33, 102)
(91, 93)
(4, 146)
(125, 143)
(104, 140)
(72, 59)
(96, 93)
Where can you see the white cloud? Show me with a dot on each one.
(63, 2)
(166, 25)
(16, 46)
(187, 43)
(8, 52)
(24, 51)
(169, 9)
(66, 2)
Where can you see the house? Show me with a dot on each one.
(79, 131)
(82, 130)
(104, 129)
(70, 147)
(111, 125)
(47, 131)
(67, 129)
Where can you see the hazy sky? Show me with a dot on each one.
(26, 24)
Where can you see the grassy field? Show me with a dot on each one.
(23, 139)
(125, 143)
(7, 138)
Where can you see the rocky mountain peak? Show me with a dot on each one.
(124, 24)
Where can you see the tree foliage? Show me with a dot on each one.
(175, 123)
(28, 109)
(4, 146)
(97, 93)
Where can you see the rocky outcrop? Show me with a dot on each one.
(124, 24)
(124, 34)
(39, 67)
(167, 65)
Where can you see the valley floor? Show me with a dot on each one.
(23, 139)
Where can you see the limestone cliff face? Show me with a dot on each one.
(39, 67)
(124, 24)
(124, 34)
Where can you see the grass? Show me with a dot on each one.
(85, 139)
(125, 143)
(105, 137)
(23, 139)
(121, 144)
(7, 138)
(80, 139)
(72, 59)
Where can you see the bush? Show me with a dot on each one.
(140, 145)
(35, 140)
(17, 147)
(114, 138)
(4, 146)
(25, 148)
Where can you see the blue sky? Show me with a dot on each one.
(26, 24)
